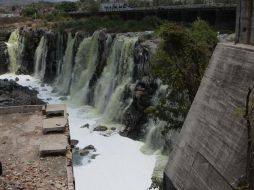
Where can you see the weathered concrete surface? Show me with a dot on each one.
(53, 145)
(20, 109)
(55, 110)
(20, 135)
(245, 22)
(211, 150)
(55, 124)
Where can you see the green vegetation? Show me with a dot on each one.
(56, 12)
(89, 5)
(199, 2)
(67, 6)
(180, 63)
(29, 11)
(113, 24)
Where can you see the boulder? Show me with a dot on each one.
(100, 128)
(85, 126)
(94, 156)
(90, 148)
(84, 152)
(74, 142)
(63, 98)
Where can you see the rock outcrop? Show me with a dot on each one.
(134, 118)
(13, 94)
(4, 35)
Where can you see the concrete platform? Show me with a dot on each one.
(52, 145)
(54, 124)
(55, 110)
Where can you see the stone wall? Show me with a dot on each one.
(211, 150)
(20, 109)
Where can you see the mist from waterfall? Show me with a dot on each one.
(15, 47)
(40, 58)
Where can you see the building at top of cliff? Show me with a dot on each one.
(245, 22)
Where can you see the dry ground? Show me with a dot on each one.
(19, 153)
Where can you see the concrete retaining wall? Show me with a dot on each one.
(245, 22)
(20, 109)
(211, 150)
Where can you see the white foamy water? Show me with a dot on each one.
(119, 165)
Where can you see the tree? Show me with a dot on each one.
(90, 5)
(180, 63)
(29, 11)
(67, 6)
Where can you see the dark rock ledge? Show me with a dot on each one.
(13, 94)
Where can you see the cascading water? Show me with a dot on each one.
(15, 47)
(64, 79)
(59, 52)
(85, 65)
(40, 59)
(116, 75)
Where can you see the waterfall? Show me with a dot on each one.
(59, 52)
(40, 58)
(115, 77)
(85, 66)
(15, 46)
(64, 79)
(154, 140)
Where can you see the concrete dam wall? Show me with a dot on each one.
(211, 151)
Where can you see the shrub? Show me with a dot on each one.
(180, 63)
(29, 12)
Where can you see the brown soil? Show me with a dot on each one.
(22, 167)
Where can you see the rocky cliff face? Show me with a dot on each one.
(211, 150)
(4, 35)
(134, 117)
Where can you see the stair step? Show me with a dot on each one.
(53, 145)
(55, 124)
(55, 110)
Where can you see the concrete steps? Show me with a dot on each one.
(53, 145)
(54, 141)
(55, 124)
